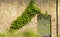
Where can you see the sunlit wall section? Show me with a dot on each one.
(4, 13)
(8, 13)
(59, 18)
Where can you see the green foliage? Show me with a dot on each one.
(27, 33)
(30, 34)
(26, 17)
(58, 35)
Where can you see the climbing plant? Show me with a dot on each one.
(26, 17)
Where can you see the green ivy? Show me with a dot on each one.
(26, 17)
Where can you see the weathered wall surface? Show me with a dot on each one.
(9, 12)
(10, 9)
